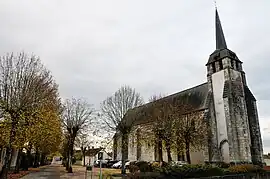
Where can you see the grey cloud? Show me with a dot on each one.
(94, 47)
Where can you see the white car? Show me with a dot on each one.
(117, 165)
(178, 163)
(127, 164)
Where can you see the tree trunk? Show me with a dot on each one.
(67, 160)
(29, 158)
(36, 159)
(18, 162)
(8, 156)
(84, 159)
(180, 153)
(42, 159)
(188, 152)
(124, 151)
(70, 163)
(71, 155)
(160, 154)
(7, 160)
(24, 162)
(168, 149)
(67, 157)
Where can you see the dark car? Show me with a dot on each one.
(110, 163)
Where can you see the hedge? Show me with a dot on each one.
(193, 171)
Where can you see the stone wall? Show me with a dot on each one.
(237, 118)
(229, 114)
(255, 134)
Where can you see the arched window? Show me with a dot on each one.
(213, 67)
(237, 66)
(220, 65)
(232, 64)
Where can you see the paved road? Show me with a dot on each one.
(48, 172)
(56, 172)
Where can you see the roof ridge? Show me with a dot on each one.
(169, 95)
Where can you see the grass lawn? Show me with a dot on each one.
(106, 171)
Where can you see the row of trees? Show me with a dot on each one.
(179, 127)
(172, 125)
(33, 117)
(29, 109)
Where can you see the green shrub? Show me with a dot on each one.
(201, 170)
(89, 168)
(156, 167)
(245, 168)
(144, 166)
(73, 160)
(194, 171)
(190, 170)
(223, 165)
(133, 167)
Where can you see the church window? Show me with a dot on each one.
(232, 65)
(220, 65)
(237, 66)
(213, 67)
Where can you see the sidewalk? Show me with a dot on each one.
(79, 172)
(56, 172)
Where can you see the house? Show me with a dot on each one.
(226, 103)
(93, 155)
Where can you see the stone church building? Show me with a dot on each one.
(227, 104)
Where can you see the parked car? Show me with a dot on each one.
(111, 162)
(127, 164)
(178, 163)
(103, 163)
(117, 165)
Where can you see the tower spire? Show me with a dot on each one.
(220, 39)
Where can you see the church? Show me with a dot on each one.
(227, 104)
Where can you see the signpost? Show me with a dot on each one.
(100, 157)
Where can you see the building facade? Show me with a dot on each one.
(227, 104)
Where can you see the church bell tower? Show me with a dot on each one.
(236, 131)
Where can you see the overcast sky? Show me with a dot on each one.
(93, 47)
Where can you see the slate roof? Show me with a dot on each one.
(220, 39)
(196, 98)
(221, 47)
(248, 93)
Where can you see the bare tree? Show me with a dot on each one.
(163, 125)
(156, 97)
(25, 85)
(191, 130)
(77, 115)
(83, 142)
(114, 108)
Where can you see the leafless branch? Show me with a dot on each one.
(116, 106)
